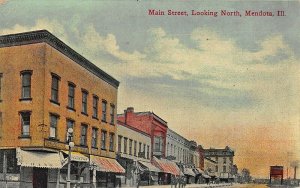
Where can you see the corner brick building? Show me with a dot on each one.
(45, 88)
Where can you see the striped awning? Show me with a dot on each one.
(40, 159)
(166, 166)
(104, 164)
(149, 166)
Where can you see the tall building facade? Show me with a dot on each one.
(224, 162)
(151, 124)
(47, 88)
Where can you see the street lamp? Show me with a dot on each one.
(69, 147)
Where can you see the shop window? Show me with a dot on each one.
(71, 96)
(95, 107)
(11, 161)
(26, 84)
(55, 88)
(25, 123)
(84, 102)
(53, 125)
(94, 137)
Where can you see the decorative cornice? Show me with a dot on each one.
(41, 36)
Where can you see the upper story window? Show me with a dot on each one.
(25, 123)
(103, 140)
(55, 88)
(71, 96)
(53, 125)
(112, 114)
(140, 147)
(83, 137)
(217, 168)
(130, 146)
(224, 168)
(224, 160)
(125, 145)
(111, 141)
(1, 75)
(84, 101)
(70, 124)
(158, 144)
(94, 137)
(26, 84)
(148, 150)
(104, 104)
(135, 145)
(95, 106)
(120, 143)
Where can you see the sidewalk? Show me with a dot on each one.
(191, 186)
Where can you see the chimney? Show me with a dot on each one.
(129, 110)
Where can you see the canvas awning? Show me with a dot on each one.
(189, 171)
(166, 166)
(104, 164)
(200, 171)
(75, 156)
(40, 159)
(149, 166)
(205, 176)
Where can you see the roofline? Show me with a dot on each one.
(40, 36)
(149, 113)
(120, 123)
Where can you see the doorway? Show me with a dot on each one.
(40, 177)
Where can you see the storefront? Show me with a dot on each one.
(168, 169)
(105, 171)
(190, 175)
(79, 172)
(149, 173)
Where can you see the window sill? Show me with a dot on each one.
(111, 150)
(95, 148)
(83, 113)
(112, 124)
(70, 108)
(83, 146)
(95, 117)
(24, 137)
(53, 139)
(25, 99)
(55, 102)
(103, 149)
(104, 121)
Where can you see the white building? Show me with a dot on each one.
(133, 153)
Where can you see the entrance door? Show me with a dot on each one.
(40, 177)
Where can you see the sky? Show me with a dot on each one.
(216, 80)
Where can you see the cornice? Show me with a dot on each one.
(45, 36)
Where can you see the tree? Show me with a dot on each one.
(246, 178)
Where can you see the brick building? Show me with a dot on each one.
(45, 88)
